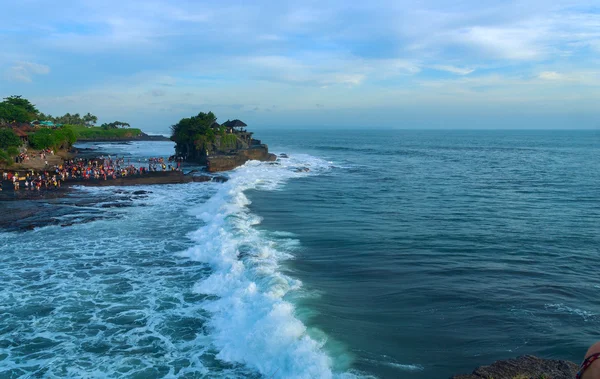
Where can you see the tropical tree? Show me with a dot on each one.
(56, 138)
(19, 101)
(10, 112)
(89, 119)
(115, 125)
(8, 138)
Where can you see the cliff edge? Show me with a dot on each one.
(225, 162)
(524, 367)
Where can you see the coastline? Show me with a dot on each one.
(141, 137)
(149, 178)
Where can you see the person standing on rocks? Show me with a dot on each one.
(590, 368)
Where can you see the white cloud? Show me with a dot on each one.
(454, 70)
(225, 50)
(23, 71)
(550, 75)
(504, 43)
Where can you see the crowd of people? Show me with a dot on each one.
(31, 180)
(102, 168)
(25, 156)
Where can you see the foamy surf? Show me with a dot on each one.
(251, 321)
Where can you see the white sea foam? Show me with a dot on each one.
(586, 315)
(104, 288)
(404, 367)
(251, 321)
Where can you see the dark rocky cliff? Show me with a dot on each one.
(525, 367)
(225, 162)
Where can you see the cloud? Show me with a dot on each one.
(454, 70)
(158, 92)
(550, 75)
(296, 71)
(223, 52)
(504, 43)
(25, 71)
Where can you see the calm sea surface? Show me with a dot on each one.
(400, 254)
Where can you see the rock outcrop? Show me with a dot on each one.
(219, 147)
(160, 177)
(525, 367)
(225, 162)
(150, 178)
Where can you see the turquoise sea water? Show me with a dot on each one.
(400, 254)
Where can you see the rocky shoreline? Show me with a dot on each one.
(150, 178)
(141, 137)
(524, 367)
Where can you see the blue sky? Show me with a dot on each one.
(405, 64)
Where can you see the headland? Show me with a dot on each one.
(220, 147)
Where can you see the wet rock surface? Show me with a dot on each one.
(26, 210)
(525, 367)
(226, 162)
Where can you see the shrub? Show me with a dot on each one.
(8, 138)
(53, 138)
(5, 158)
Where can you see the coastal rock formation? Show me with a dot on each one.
(525, 367)
(200, 139)
(150, 178)
(225, 162)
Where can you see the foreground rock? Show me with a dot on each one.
(161, 177)
(525, 367)
(225, 162)
(150, 178)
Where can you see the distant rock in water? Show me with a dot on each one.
(525, 367)
(282, 155)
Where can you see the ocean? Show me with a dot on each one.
(397, 254)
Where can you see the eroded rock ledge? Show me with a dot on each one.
(226, 162)
(525, 367)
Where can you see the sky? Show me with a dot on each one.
(289, 64)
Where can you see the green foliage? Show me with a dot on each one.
(195, 130)
(59, 138)
(114, 125)
(69, 134)
(70, 119)
(10, 113)
(42, 139)
(89, 119)
(75, 126)
(228, 141)
(16, 108)
(8, 138)
(100, 132)
(12, 151)
(20, 102)
(5, 158)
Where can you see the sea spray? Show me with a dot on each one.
(251, 321)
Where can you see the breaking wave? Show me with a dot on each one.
(251, 322)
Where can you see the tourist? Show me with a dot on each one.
(590, 368)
